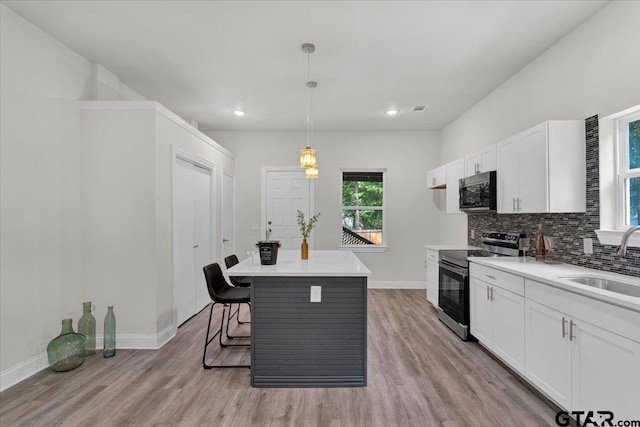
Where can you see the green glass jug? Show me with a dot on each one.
(66, 351)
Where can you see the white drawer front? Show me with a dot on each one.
(432, 255)
(504, 280)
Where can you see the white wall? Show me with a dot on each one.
(41, 80)
(127, 212)
(412, 214)
(595, 69)
(50, 236)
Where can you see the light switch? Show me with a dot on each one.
(316, 294)
(588, 245)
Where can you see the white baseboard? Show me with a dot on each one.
(24, 370)
(396, 285)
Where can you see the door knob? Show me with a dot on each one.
(224, 240)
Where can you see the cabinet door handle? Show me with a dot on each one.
(433, 181)
(490, 277)
(196, 246)
(571, 336)
(519, 207)
(564, 332)
(488, 299)
(514, 204)
(492, 298)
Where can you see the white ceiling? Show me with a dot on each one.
(202, 59)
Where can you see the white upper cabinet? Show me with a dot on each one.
(455, 171)
(542, 169)
(481, 161)
(436, 178)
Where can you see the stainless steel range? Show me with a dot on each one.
(453, 284)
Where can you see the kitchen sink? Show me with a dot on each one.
(606, 284)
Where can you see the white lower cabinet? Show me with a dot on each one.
(497, 321)
(605, 372)
(579, 365)
(548, 351)
(541, 332)
(432, 276)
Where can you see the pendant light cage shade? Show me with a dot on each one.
(311, 172)
(308, 158)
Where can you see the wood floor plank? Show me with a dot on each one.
(419, 372)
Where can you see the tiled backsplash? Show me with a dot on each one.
(567, 231)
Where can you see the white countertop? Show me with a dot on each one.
(451, 247)
(320, 264)
(550, 274)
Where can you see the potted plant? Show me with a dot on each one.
(305, 229)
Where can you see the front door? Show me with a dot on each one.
(285, 191)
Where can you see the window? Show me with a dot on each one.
(363, 209)
(628, 169)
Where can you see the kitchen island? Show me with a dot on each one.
(308, 319)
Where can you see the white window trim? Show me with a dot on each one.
(614, 235)
(622, 171)
(367, 248)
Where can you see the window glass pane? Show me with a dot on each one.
(634, 144)
(633, 187)
(362, 189)
(361, 227)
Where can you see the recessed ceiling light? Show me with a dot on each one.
(392, 112)
(238, 113)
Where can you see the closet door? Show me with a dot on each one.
(202, 233)
(192, 237)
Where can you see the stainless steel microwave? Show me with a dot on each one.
(478, 192)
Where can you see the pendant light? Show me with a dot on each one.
(308, 155)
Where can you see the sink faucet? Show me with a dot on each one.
(622, 249)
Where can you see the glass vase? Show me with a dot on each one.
(66, 351)
(304, 249)
(109, 347)
(87, 327)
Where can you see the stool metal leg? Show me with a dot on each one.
(229, 317)
(208, 341)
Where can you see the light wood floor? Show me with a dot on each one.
(419, 373)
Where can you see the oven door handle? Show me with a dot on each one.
(453, 268)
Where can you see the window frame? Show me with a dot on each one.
(382, 247)
(623, 172)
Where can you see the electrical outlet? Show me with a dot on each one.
(473, 233)
(316, 294)
(588, 245)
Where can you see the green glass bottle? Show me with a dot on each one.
(109, 347)
(66, 351)
(87, 327)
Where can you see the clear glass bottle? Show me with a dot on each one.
(87, 327)
(66, 351)
(109, 347)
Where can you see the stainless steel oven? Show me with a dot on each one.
(453, 297)
(453, 284)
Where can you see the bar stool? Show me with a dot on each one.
(222, 293)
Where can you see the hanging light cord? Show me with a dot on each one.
(309, 98)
